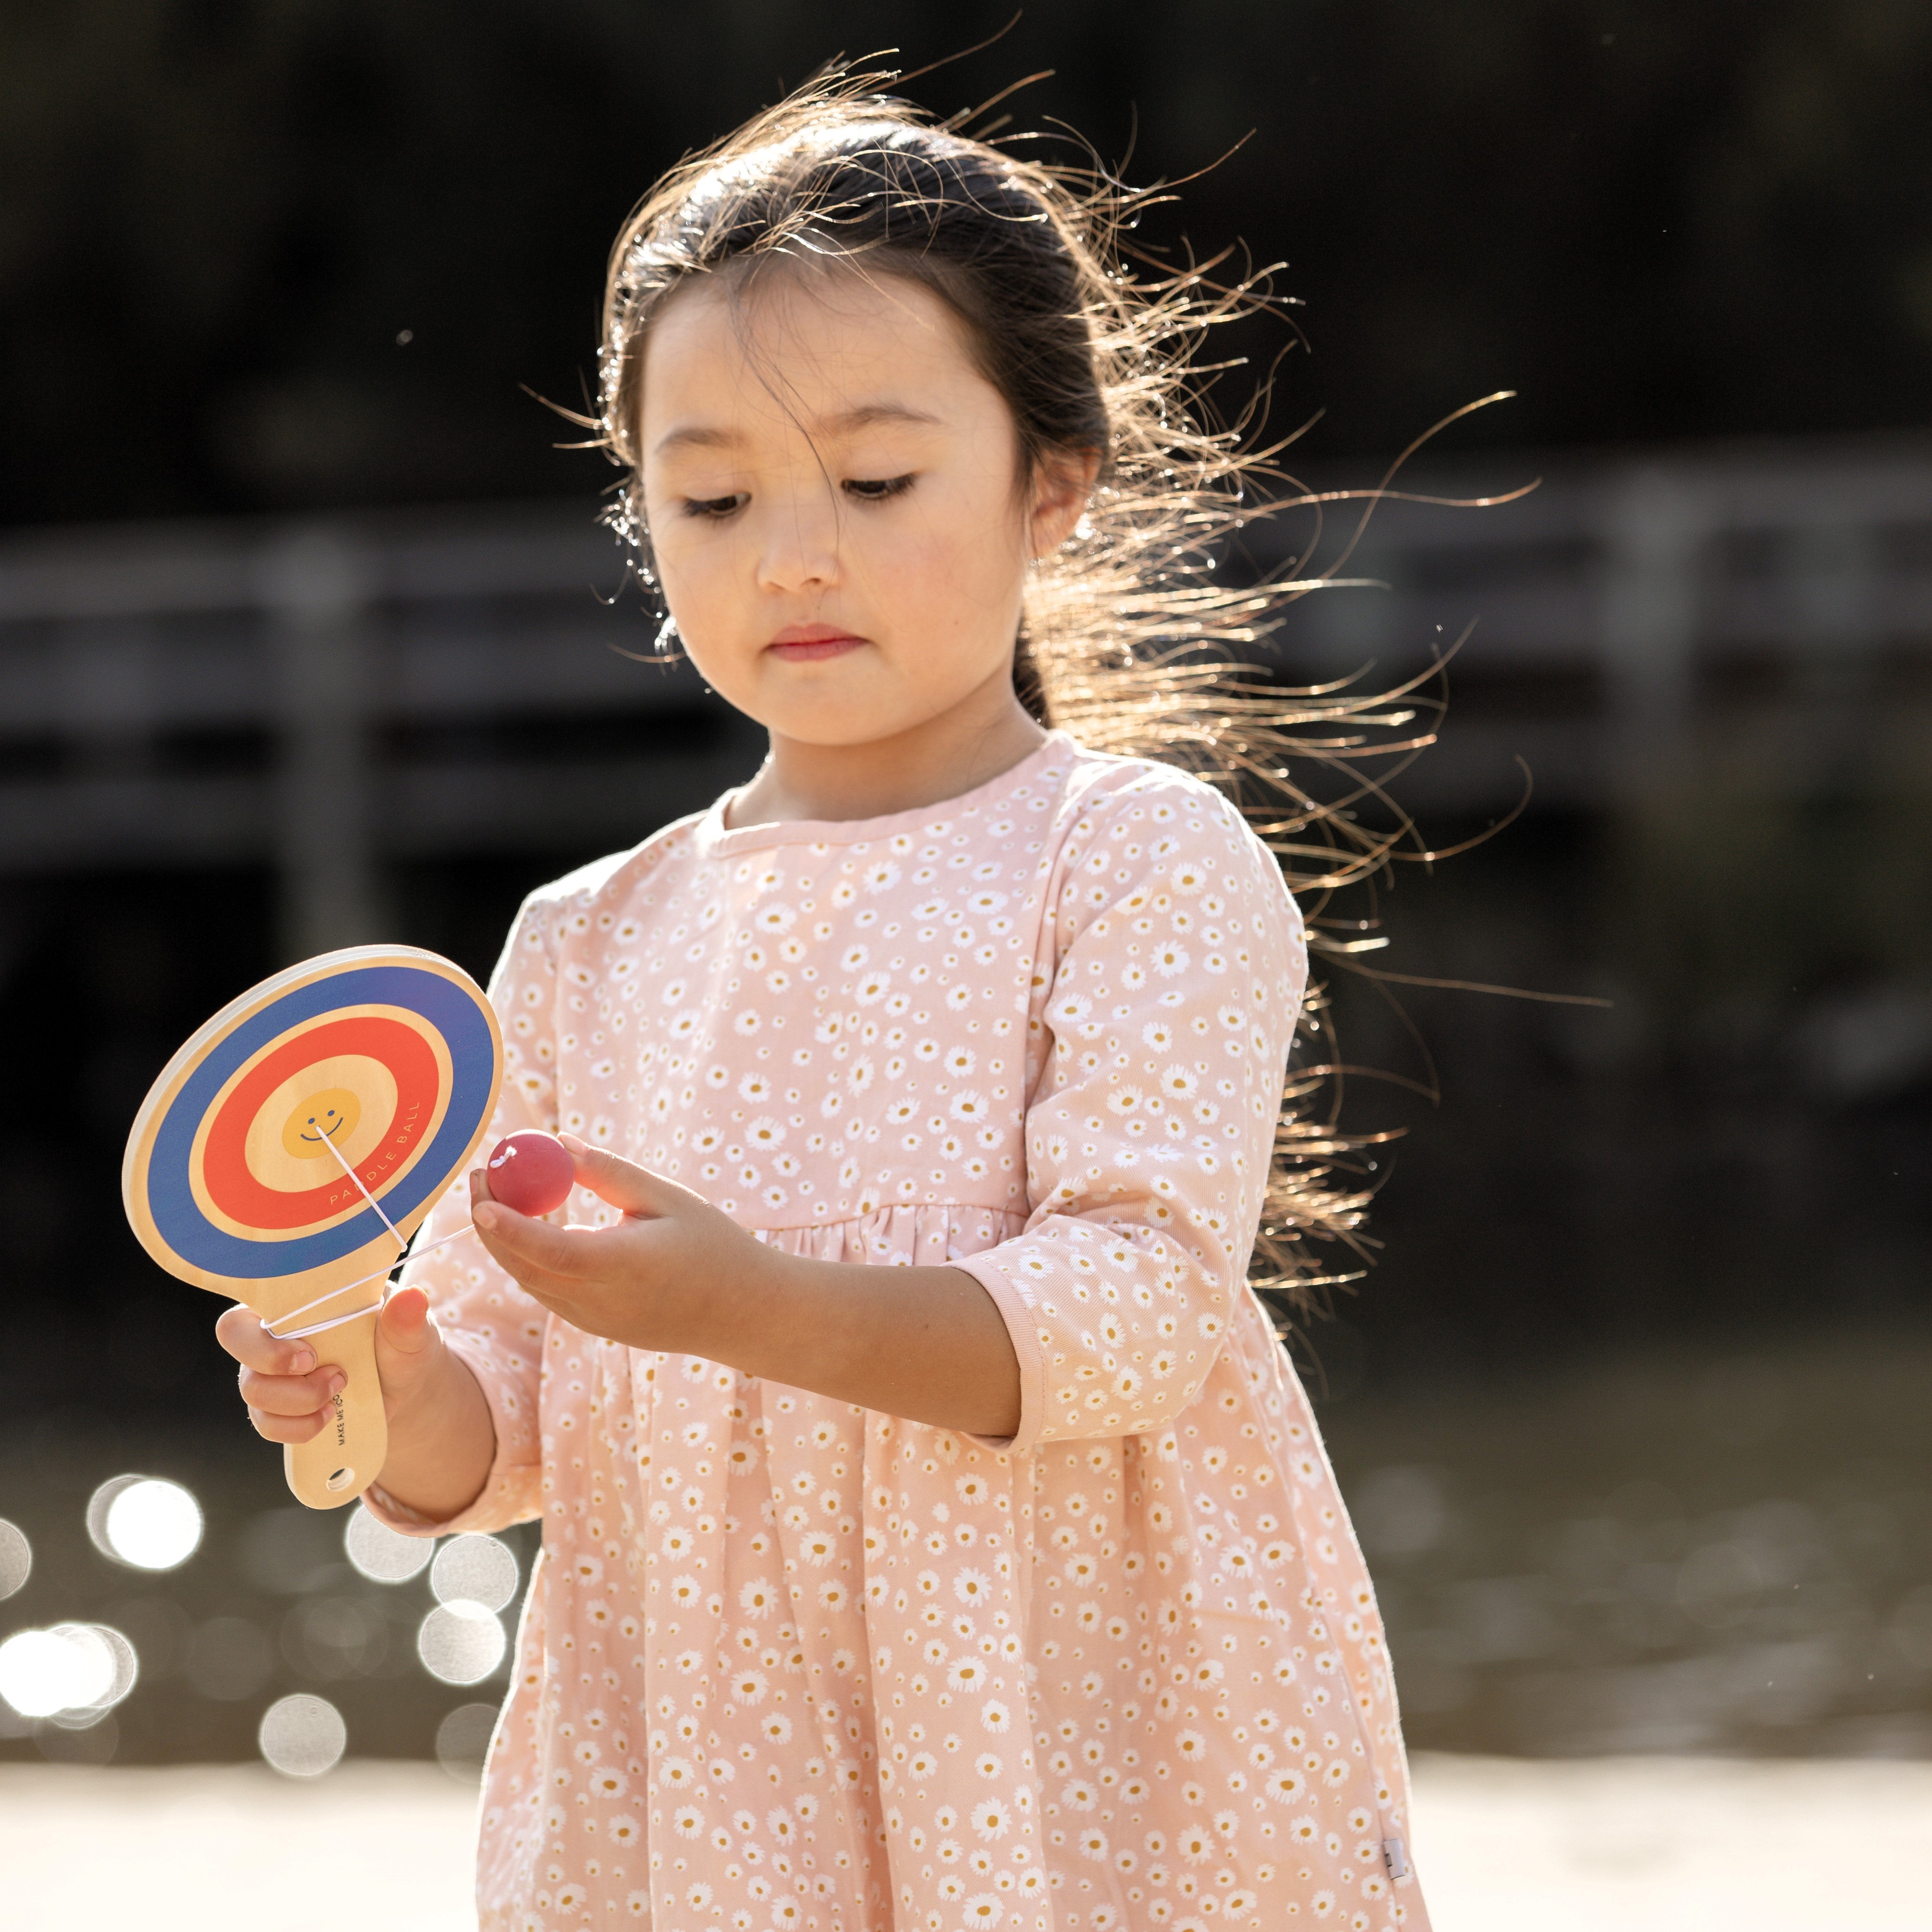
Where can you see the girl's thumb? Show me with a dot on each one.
(406, 1339)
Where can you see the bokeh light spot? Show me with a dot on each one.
(97, 1507)
(334, 1637)
(474, 1569)
(145, 1522)
(463, 1741)
(40, 1672)
(74, 1673)
(303, 1736)
(380, 1554)
(110, 1669)
(17, 1557)
(461, 1642)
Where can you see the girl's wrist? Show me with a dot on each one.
(436, 1398)
(442, 1441)
(737, 1316)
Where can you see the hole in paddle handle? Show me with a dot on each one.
(340, 1481)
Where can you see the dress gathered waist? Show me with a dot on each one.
(917, 1235)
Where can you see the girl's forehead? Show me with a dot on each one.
(792, 342)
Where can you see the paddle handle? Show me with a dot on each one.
(336, 1466)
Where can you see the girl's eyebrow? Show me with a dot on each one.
(867, 415)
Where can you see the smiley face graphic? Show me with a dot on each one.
(331, 1115)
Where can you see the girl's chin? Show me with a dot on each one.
(854, 700)
(842, 718)
(831, 730)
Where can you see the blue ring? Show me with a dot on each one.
(178, 1216)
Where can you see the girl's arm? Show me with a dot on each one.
(676, 1274)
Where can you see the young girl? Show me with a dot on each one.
(934, 1535)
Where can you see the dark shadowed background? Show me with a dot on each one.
(1632, 1406)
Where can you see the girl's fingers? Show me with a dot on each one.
(291, 1395)
(272, 1428)
(286, 1390)
(623, 1183)
(525, 1246)
(240, 1332)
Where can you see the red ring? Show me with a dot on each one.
(224, 1161)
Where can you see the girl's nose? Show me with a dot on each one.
(798, 547)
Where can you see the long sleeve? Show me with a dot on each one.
(1163, 1027)
(485, 1317)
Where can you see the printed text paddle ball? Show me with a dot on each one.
(290, 1149)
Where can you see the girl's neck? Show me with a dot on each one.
(969, 745)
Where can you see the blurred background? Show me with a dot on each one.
(308, 637)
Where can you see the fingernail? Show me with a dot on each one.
(305, 1360)
(337, 1384)
(484, 1214)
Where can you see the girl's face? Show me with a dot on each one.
(830, 487)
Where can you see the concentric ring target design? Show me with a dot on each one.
(240, 1175)
(233, 1173)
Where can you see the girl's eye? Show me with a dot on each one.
(876, 490)
(714, 507)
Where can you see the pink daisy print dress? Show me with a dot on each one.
(789, 1666)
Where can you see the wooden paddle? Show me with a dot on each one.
(292, 1147)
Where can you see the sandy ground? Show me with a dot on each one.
(1504, 1846)
(1668, 1844)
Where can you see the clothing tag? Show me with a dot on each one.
(1396, 1858)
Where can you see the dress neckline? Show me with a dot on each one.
(715, 838)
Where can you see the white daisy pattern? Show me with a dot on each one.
(789, 1662)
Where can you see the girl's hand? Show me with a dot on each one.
(679, 1275)
(287, 1389)
(663, 1277)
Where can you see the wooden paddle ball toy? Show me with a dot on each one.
(289, 1151)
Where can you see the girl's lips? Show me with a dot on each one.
(808, 644)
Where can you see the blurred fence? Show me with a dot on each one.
(329, 696)
(1628, 615)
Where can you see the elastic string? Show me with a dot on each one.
(362, 1281)
(333, 1321)
(342, 1163)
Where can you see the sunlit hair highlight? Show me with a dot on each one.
(1134, 638)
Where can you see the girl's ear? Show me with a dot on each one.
(1062, 484)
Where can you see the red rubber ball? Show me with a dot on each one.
(531, 1172)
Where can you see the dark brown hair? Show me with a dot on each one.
(1131, 639)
